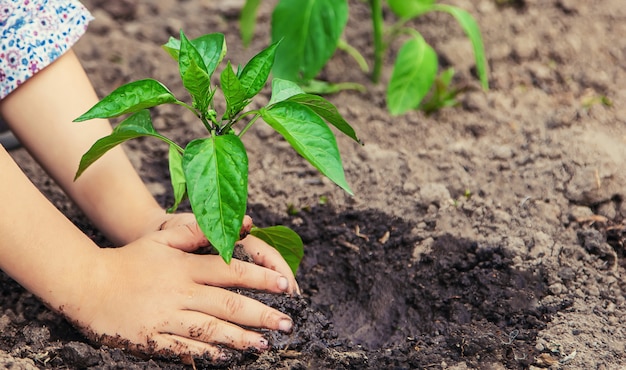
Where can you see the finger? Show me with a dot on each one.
(178, 219)
(267, 256)
(208, 329)
(247, 225)
(167, 344)
(236, 309)
(236, 274)
(187, 237)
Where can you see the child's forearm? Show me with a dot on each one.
(39, 247)
(110, 192)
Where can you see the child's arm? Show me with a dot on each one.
(149, 295)
(40, 113)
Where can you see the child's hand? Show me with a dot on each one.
(261, 252)
(179, 219)
(153, 297)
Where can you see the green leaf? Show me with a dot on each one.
(234, 92)
(310, 31)
(257, 70)
(283, 90)
(216, 169)
(327, 111)
(469, 25)
(177, 177)
(194, 74)
(137, 125)
(247, 21)
(130, 98)
(287, 90)
(211, 47)
(309, 135)
(410, 8)
(286, 241)
(413, 74)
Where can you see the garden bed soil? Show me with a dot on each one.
(488, 235)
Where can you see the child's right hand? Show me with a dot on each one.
(152, 297)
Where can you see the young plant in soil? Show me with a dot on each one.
(313, 29)
(212, 171)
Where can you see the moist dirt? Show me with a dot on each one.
(489, 235)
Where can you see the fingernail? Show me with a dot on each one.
(224, 357)
(283, 283)
(285, 325)
(263, 344)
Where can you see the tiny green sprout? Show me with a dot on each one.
(590, 101)
(292, 210)
(212, 171)
(467, 194)
(443, 94)
(323, 199)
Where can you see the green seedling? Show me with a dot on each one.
(442, 94)
(590, 101)
(212, 171)
(311, 31)
(467, 194)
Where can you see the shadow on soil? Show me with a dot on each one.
(366, 304)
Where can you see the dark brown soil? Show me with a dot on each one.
(489, 235)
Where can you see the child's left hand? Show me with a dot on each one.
(261, 253)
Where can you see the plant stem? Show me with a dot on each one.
(178, 147)
(376, 7)
(249, 124)
(206, 122)
(196, 113)
(354, 53)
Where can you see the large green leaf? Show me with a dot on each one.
(469, 25)
(234, 92)
(286, 241)
(283, 90)
(413, 74)
(212, 48)
(177, 177)
(247, 21)
(327, 111)
(216, 170)
(130, 98)
(257, 70)
(287, 90)
(309, 135)
(194, 74)
(310, 31)
(410, 8)
(136, 125)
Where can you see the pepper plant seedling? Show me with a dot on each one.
(212, 171)
(311, 31)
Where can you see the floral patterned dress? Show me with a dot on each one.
(34, 33)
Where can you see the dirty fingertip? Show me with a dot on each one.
(285, 325)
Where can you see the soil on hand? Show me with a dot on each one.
(489, 235)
